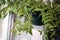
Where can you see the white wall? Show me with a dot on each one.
(7, 25)
(26, 36)
(35, 33)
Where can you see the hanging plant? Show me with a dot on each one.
(49, 10)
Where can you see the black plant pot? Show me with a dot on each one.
(37, 19)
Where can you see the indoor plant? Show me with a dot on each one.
(48, 11)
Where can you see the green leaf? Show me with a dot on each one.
(14, 32)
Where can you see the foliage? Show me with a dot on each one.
(50, 14)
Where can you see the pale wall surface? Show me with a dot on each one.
(0, 28)
(35, 34)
